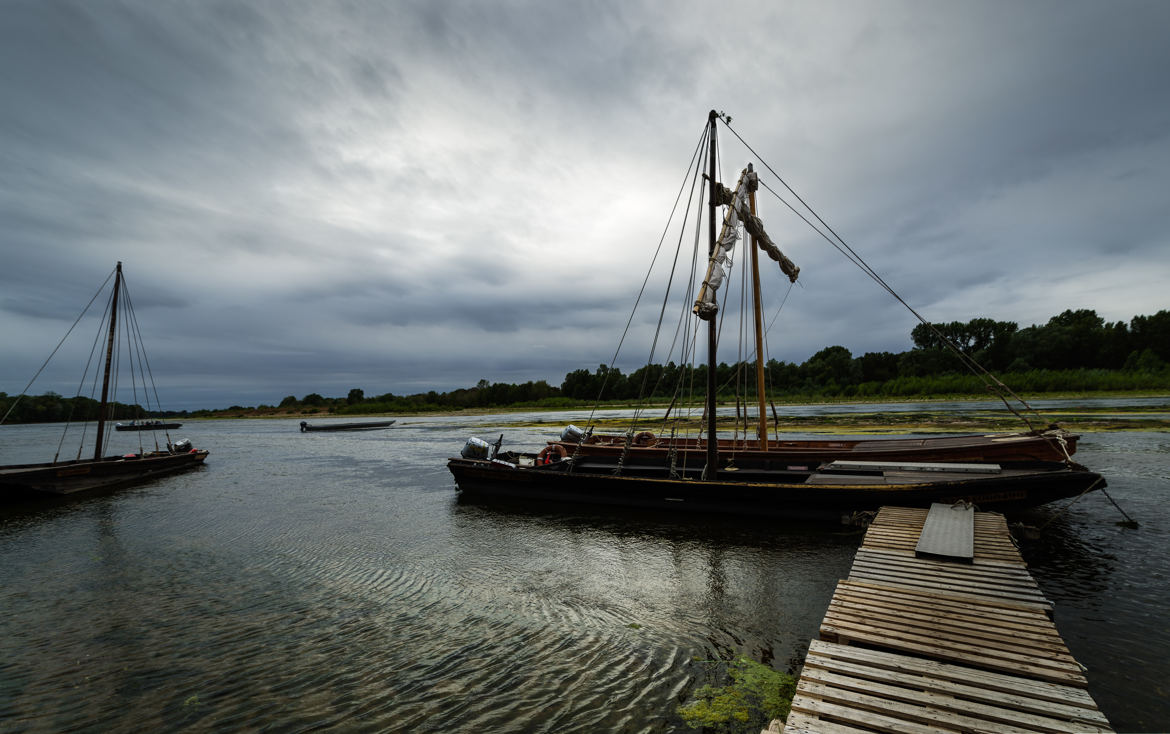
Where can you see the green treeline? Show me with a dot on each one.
(52, 408)
(1076, 351)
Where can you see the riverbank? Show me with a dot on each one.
(984, 415)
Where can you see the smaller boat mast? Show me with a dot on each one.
(104, 407)
(753, 184)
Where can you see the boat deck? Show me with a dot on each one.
(918, 644)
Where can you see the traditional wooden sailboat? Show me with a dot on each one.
(763, 475)
(79, 475)
(827, 490)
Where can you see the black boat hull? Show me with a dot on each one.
(71, 477)
(486, 480)
(328, 427)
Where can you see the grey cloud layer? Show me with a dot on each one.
(318, 196)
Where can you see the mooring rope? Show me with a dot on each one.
(1129, 520)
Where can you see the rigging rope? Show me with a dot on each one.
(641, 291)
(995, 384)
(46, 362)
(143, 361)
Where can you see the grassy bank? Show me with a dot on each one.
(1084, 419)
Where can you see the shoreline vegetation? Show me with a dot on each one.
(1074, 355)
(992, 418)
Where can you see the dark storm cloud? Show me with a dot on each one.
(316, 196)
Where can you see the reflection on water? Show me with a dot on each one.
(305, 580)
(1109, 583)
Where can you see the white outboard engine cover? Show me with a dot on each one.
(475, 448)
(572, 434)
(182, 446)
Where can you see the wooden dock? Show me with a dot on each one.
(917, 640)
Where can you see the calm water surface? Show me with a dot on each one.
(314, 580)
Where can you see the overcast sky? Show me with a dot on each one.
(405, 196)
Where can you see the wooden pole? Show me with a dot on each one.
(758, 308)
(104, 407)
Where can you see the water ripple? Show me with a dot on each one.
(299, 584)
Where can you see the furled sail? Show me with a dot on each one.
(738, 209)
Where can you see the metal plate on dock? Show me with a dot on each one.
(949, 532)
(896, 529)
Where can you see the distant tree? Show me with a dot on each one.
(925, 362)
(1153, 333)
(645, 381)
(832, 366)
(1144, 361)
(1115, 346)
(1083, 318)
(973, 337)
(614, 385)
(1070, 340)
(288, 401)
(877, 366)
(313, 399)
(578, 385)
(782, 376)
(356, 395)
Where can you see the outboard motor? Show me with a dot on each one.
(475, 448)
(572, 434)
(304, 426)
(182, 446)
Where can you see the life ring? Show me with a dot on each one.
(645, 438)
(546, 454)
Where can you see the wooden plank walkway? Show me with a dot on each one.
(913, 644)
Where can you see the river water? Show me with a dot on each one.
(303, 581)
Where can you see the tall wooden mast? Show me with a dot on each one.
(753, 184)
(104, 407)
(710, 470)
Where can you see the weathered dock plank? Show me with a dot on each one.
(845, 688)
(940, 642)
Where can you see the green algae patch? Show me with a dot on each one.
(755, 695)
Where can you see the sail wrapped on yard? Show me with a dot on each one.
(738, 209)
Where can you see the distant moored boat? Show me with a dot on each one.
(145, 426)
(363, 426)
